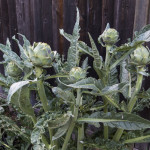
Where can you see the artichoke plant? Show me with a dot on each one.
(41, 55)
(13, 70)
(77, 74)
(110, 36)
(140, 56)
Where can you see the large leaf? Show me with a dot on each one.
(53, 120)
(24, 101)
(114, 88)
(11, 55)
(69, 37)
(88, 83)
(23, 53)
(97, 57)
(141, 139)
(73, 52)
(36, 135)
(123, 120)
(16, 86)
(124, 77)
(143, 36)
(67, 96)
(61, 131)
(144, 29)
(83, 47)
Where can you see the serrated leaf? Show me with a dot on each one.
(69, 37)
(123, 120)
(23, 56)
(73, 53)
(65, 95)
(124, 77)
(83, 47)
(114, 88)
(85, 63)
(88, 83)
(35, 135)
(144, 29)
(61, 131)
(24, 101)
(59, 122)
(97, 57)
(11, 55)
(141, 139)
(16, 86)
(144, 37)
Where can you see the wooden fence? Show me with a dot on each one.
(40, 20)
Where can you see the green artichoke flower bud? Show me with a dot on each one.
(109, 36)
(77, 74)
(41, 55)
(140, 56)
(13, 70)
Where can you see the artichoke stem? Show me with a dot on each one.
(107, 58)
(132, 101)
(73, 121)
(43, 98)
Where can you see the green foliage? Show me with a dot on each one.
(37, 114)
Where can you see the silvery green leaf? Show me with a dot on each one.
(11, 55)
(61, 131)
(88, 83)
(24, 101)
(123, 120)
(73, 52)
(85, 63)
(124, 77)
(35, 135)
(114, 88)
(16, 86)
(67, 96)
(22, 50)
(69, 37)
(141, 139)
(96, 55)
(83, 47)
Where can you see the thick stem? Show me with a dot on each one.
(132, 101)
(43, 98)
(70, 130)
(107, 58)
(73, 121)
(80, 137)
(105, 81)
(137, 88)
(105, 127)
(42, 95)
(80, 130)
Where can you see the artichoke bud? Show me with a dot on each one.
(77, 74)
(41, 55)
(13, 70)
(140, 56)
(109, 36)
